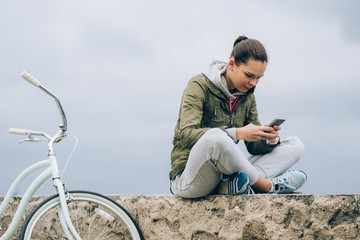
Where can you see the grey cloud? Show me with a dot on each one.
(119, 69)
(343, 13)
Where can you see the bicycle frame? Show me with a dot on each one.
(50, 171)
(27, 196)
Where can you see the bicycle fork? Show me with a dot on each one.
(63, 210)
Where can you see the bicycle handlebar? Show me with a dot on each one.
(36, 83)
(30, 79)
(18, 131)
(29, 133)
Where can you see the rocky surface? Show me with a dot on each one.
(293, 216)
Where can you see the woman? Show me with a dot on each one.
(218, 109)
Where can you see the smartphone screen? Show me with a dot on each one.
(277, 122)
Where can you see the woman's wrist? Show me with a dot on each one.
(238, 133)
(273, 142)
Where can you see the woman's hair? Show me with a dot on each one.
(245, 49)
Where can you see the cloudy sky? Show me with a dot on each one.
(119, 69)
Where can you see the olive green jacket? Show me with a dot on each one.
(204, 106)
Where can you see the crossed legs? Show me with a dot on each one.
(216, 154)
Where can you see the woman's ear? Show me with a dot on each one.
(231, 63)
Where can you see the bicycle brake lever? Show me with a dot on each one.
(31, 139)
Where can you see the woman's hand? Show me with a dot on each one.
(252, 133)
(276, 128)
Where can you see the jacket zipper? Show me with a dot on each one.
(232, 108)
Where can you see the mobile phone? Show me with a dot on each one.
(276, 122)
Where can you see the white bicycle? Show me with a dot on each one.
(67, 214)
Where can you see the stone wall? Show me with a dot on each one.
(293, 216)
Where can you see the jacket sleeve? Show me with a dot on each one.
(191, 113)
(258, 147)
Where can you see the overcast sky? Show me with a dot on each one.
(119, 69)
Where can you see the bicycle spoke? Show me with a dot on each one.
(93, 216)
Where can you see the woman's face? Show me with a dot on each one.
(245, 76)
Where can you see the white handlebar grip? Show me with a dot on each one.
(18, 131)
(30, 79)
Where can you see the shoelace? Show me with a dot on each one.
(249, 190)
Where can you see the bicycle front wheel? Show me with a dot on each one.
(94, 216)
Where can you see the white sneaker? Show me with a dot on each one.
(289, 181)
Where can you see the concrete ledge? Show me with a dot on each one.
(293, 216)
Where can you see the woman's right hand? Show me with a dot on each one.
(252, 133)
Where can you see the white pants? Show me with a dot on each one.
(216, 154)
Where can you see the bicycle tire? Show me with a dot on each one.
(93, 215)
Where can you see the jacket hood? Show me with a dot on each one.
(215, 73)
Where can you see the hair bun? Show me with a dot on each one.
(248, 49)
(239, 39)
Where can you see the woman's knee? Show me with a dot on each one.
(297, 146)
(217, 138)
(214, 133)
